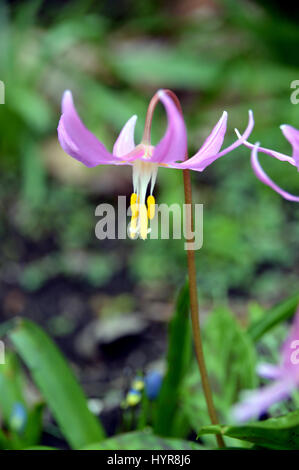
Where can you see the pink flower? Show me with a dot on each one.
(285, 376)
(292, 135)
(145, 158)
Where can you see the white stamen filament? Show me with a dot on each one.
(144, 173)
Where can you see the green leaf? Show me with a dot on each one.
(231, 361)
(32, 107)
(273, 316)
(34, 426)
(57, 383)
(12, 383)
(274, 433)
(33, 177)
(178, 360)
(142, 441)
(4, 441)
(40, 448)
(166, 67)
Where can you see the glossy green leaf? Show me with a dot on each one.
(34, 426)
(57, 384)
(142, 441)
(273, 433)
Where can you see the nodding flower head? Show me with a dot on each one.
(145, 158)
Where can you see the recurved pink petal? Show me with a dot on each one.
(292, 135)
(264, 178)
(76, 139)
(213, 142)
(272, 153)
(269, 371)
(242, 138)
(173, 146)
(203, 159)
(79, 142)
(257, 402)
(125, 142)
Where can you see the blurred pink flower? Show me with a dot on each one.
(80, 143)
(285, 376)
(292, 135)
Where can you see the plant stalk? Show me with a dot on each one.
(193, 295)
(194, 311)
(191, 269)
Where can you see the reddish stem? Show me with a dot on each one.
(191, 270)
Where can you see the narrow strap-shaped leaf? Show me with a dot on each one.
(273, 316)
(57, 384)
(178, 360)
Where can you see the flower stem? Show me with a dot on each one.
(194, 311)
(191, 268)
(193, 296)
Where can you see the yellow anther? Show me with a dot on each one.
(151, 207)
(133, 199)
(143, 221)
(134, 205)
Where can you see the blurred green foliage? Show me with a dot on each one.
(227, 55)
(178, 410)
(216, 55)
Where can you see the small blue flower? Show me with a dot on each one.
(18, 418)
(153, 381)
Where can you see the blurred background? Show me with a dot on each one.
(107, 303)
